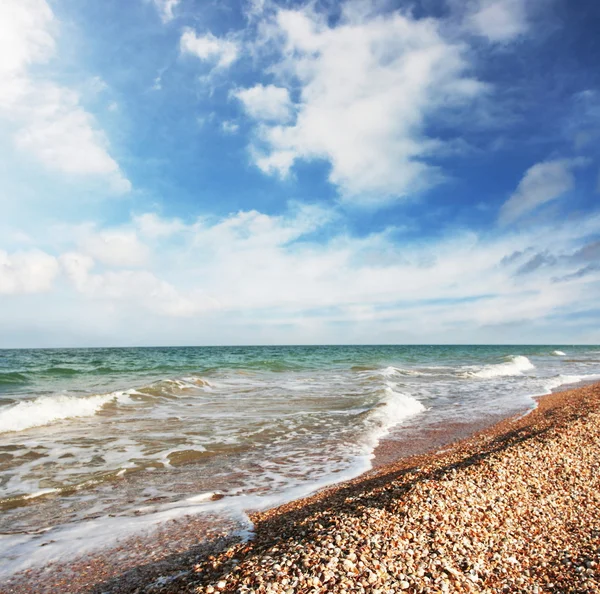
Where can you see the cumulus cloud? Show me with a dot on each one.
(268, 102)
(216, 50)
(50, 122)
(498, 20)
(27, 272)
(542, 183)
(367, 88)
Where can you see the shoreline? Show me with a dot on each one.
(92, 573)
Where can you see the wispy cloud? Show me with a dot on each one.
(166, 9)
(542, 183)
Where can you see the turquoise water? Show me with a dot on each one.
(94, 434)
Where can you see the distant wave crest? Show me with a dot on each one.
(559, 353)
(391, 371)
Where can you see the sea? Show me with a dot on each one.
(98, 444)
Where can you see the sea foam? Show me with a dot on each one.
(48, 409)
(516, 366)
(559, 353)
(393, 408)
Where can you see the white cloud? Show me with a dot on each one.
(116, 247)
(268, 103)
(166, 9)
(153, 226)
(541, 183)
(498, 20)
(297, 280)
(25, 39)
(219, 51)
(27, 272)
(368, 86)
(132, 288)
(50, 122)
(250, 262)
(63, 136)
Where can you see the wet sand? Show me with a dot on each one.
(514, 508)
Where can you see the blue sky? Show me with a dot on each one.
(185, 172)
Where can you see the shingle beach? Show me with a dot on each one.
(515, 508)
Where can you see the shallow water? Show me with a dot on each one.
(115, 437)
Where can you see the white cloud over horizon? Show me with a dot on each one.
(250, 268)
(23, 272)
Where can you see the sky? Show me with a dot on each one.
(186, 172)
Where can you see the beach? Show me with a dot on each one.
(513, 508)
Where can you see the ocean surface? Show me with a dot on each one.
(101, 443)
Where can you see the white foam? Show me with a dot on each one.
(516, 366)
(562, 380)
(559, 353)
(48, 409)
(394, 408)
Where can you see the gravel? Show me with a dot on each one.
(514, 509)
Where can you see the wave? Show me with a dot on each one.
(391, 371)
(559, 353)
(392, 409)
(516, 366)
(48, 409)
(363, 368)
(60, 371)
(12, 377)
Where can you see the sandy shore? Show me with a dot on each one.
(515, 508)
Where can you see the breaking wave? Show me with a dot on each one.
(516, 366)
(48, 409)
(559, 353)
(393, 408)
